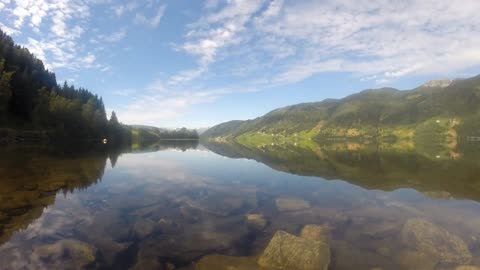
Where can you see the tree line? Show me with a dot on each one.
(31, 99)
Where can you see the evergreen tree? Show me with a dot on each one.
(5, 90)
(114, 119)
(30, 98)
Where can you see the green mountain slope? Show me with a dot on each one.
(433, 109)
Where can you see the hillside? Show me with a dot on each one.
(437, 109)
(144, 135)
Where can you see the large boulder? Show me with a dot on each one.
(423, 237)
(287, 251)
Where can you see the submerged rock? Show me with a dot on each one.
(221, 262)
(291, 204)
(417, 260)
(71, 252)
(316, 232)
(434, 243)
(467, 267)
(349, 256)
(143, 227)
(287, 251)
(256, 221)
(146, 259)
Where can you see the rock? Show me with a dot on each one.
(71, 252)
(219, 200)
(434, 242)
(467, 267)
(146, 260)
(316, 232)
(221, 262)
(349, 256)
(107, 248)
(256, 221)
(146, 264)
(143, 227)
(416, 260)
(291, 204)
(169, 266)
(288, 251)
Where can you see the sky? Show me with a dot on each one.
(199, 63)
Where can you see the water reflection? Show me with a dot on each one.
(429, 170)
(193, 209)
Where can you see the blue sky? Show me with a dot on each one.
(198, 63)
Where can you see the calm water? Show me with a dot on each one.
(187, 207)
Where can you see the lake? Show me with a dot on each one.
(189, 206)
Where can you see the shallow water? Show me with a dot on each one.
(175, 208)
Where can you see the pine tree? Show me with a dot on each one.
(114, 119)
(5, 90)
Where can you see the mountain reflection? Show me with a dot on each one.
(433, 171)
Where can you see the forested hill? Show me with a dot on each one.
(435, 107)
(31, 102)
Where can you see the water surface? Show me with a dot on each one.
(181, 206)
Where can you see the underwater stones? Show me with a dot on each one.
(467, 267)
(436, 243)
(287, 251)
(347, 255)
(220, 201)
(416, 260)
(291, 204)
(107, 248)
(143, 227)
(316, 232)
(221, 262)
(67, 252)
(146, 262)
(256, 221)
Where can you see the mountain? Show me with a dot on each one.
(149, 133)
(437, 110)
(201, 130)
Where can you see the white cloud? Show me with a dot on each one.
(162, 103)
(59, 29)
(124, 92)
(111, 38)
(120, 10)
(9, 30)
(154, 21)
(389, 39)
(89, 59)
(215, 31)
